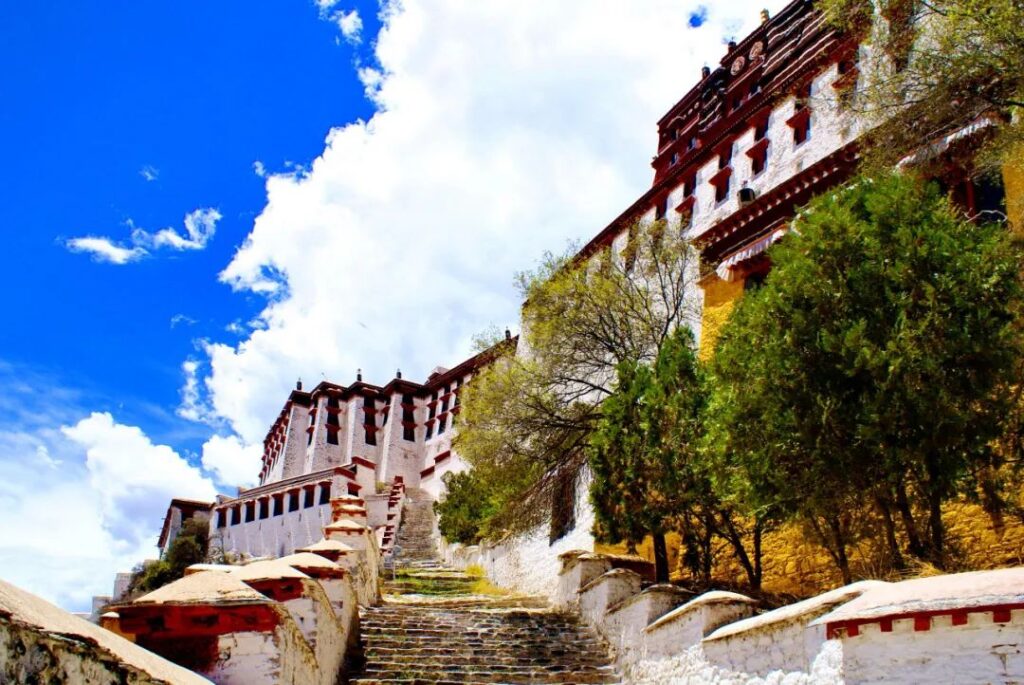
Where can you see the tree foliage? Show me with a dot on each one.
(466, 509)
(189, 547)
(933, 65)
(527, 418)
(643, 454)
(875, 367)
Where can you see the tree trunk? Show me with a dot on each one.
(660, 558)
(885, 509)
(839, 536)
(758, 532)
(707, 553)
(914, 544)
(936, 529)
(734, 538)
(834, 543)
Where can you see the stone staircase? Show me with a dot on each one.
(440, 625)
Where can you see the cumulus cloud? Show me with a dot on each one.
(259, 169)
(351, 25)
(232, 461)
(132, 477)
(105, 250)
(149, 172)
(502, 130)
(83, 495)
(200, 226)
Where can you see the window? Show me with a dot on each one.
(563, 507)
(325, 493)
(278, 505)
(309, 498)
(333, 427)
(444, 401)
(408, 419)
(759, 161)
(725, 156)
(689, 185)
(222, 518)
(369, 423)
(661, 209)
(264, 509)
(441, 423)
(293, 501)
(430, 430)
(250, 512)
(722, 187)
(675, 159)
(801, 119)
(333, 403)
(761, 129)
(691, 144)
(802, 129)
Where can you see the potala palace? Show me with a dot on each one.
(342, 515)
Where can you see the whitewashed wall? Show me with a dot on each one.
(529, 563)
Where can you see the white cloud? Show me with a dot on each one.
(503, 129)
(105, 250)
(233, 462)
(182, 319)
(351, 25)
(83, 501)
(200, 226)
(259, 169)
(193, 407)
(132, 477)
(149, 172)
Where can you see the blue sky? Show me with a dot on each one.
(193, 92)
(164, 291)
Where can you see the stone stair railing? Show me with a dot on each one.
(965, 628)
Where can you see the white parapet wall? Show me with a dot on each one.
(958, 628)
(529, 563)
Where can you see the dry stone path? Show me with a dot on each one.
(438, 625)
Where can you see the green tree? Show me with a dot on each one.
(466, 509)
(527, 417)
(875, 367)
(190, 546)
(643, 454)
(933, 65)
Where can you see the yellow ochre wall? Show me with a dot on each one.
(793, 563)
(1013, 184)
(719, 299)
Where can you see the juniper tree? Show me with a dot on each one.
(643, 454)
(875, 367)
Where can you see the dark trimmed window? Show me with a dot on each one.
(309, 498)
(293, 501)
(563, 507)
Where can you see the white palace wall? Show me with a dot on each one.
(529, 563)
